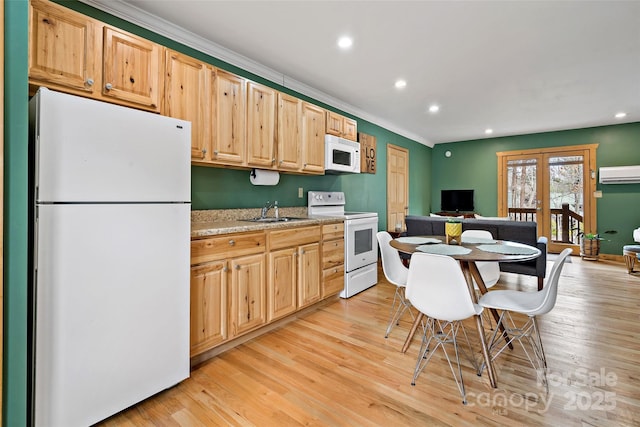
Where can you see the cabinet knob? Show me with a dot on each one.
(89, 82)
(232, 242)
(204, 151)
(301, 251)
(237, 266)
(225, 269)
(108, 86)
(215, 152)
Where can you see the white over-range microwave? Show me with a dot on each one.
(341, 155)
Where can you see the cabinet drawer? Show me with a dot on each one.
(227, 246)
(293, 237)
(332, 280)
(332, 253)
(333, 231)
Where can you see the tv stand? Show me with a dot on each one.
(465, 214)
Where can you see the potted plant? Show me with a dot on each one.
(453, 230)
(590, 246)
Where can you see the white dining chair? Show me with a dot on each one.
(531, 304)
(490, 271)
(436, 287)
(396, 274)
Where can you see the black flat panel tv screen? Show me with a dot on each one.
(456, 200)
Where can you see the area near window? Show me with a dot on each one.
(553, 187)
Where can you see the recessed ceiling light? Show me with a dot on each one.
(434, 108)
(345, 42)
(400, 84)
(621, 115)
(488, 131)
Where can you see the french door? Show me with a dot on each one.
(553, 187)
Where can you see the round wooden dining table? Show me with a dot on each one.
(468, 251)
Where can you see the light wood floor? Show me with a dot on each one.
(335, 368)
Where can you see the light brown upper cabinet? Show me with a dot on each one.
(132, 67)
(76, 54)
(186, 97)
(301, 128)
(64, 49)
(289, 132)
(261, 126)
(341, 126)
(313, 129)
(229, 110)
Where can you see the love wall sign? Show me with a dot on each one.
(367, 153)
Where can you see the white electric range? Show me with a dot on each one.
(360, 242)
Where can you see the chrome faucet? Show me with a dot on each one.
(267, 206)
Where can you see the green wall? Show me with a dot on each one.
(14, 386)
(473, 164)
(212, 188)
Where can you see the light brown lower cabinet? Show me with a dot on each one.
(247, 294)
(208, 313)
(225, 269)
(332, 259)
(281, 283)
(294, 269)
(243, 281)
(309, 289)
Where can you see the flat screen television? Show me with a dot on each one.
(456, 200)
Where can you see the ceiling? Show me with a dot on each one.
(516, 67)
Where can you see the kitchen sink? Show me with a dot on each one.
(274, 219)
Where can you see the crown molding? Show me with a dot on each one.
(143, 19)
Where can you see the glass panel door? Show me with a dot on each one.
(553, 187)
(523, 187)
(566, 200)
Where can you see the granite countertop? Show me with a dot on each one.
(224, 221)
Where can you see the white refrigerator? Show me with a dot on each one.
(111, 257)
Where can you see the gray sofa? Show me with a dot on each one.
(516, 231)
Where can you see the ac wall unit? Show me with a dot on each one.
(620, 175)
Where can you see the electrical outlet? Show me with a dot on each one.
(300, 194)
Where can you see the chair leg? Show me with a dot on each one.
(530, 333)
(540, 283)
(443, 333)
(398, 307)
(630, 261)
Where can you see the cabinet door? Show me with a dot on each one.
(132, 67)
(63, 46)
(261, 124)
(309, 274)
(247, 293)
(186, 97)
(313, 129)
(281, 287)
(289, 132)
(334, 123)
(332, 281)
(228, 142)
(208, 306)
(350, 129)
